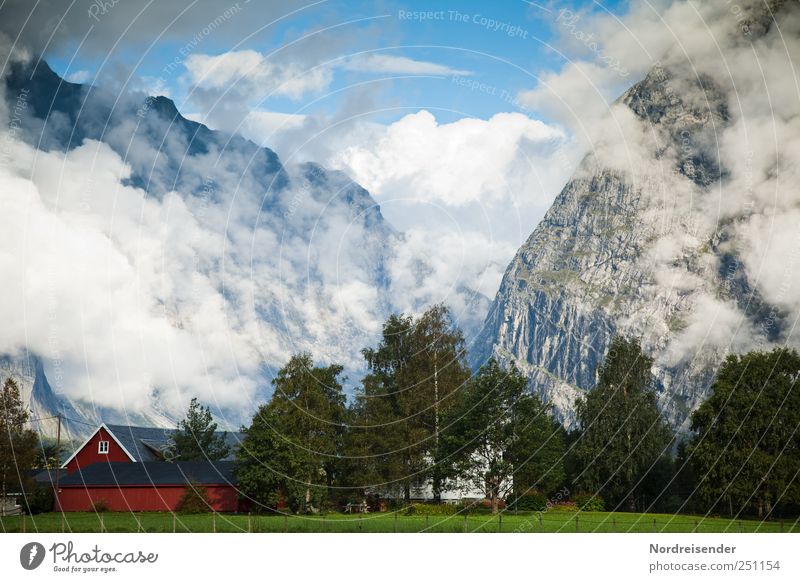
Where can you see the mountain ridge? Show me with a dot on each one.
(603, 260)
(161, 146)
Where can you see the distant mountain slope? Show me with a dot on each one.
(293, 257)
(637, 248)
(77, 419)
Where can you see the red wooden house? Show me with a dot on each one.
(125, 468)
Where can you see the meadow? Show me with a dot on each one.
(506, 522)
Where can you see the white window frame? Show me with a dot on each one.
(100, 448)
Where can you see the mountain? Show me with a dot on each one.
(641, 248)
(280, 257)
(40, 398)
(78, 419)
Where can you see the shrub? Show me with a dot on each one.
(100, 506)
(194, 500)
(40, 500)
(589, 502)
(530, 501)
(564, 507)
(432, 509)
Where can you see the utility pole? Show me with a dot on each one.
(58, 458)
(437, 494)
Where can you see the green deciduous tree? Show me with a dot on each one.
(292, 450)
(746, 451)
(501, 437)
(414, 378)
(623, 436)
(196, 438)
(18, 445)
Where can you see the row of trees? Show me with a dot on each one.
(421, 417)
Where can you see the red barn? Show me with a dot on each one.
(125, 469)
(149, 486)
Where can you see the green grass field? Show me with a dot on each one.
(553, 522)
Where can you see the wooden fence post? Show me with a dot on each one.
(654, 525)
(695, 526)
(24, 525)
(577, 524)
(500, 523)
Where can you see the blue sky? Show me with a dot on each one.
(503, 45)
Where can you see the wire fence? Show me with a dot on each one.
(579, 522)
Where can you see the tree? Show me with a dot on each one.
(292, 449)
(438, 370)
(414, 378)
(18, 445)
(746, 450)
(196, 438)
(47, 455)
(388, 403)
(538, 451)
(623, 435)
(501, 432)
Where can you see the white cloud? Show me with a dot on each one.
(79, 77)
(466, 194)
(84, 260)
(393, 64)
(262, 126)
(712, 324)
(252, 75)
(452, 260)
(469, 160)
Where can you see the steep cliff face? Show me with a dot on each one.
(40, 399)
(633, 248)
(78, 419)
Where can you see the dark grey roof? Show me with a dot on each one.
(144, 443)
(47, 476)
(132, 438)
(152, 473)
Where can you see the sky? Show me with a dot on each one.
(502, 45)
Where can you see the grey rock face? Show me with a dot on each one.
(41, 400)
(592, 267)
